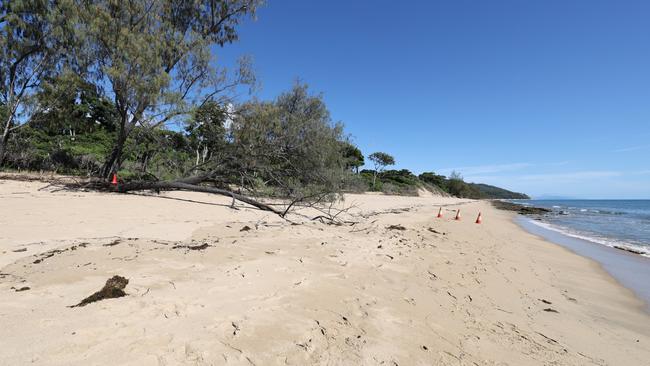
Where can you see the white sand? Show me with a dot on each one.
(298, 294)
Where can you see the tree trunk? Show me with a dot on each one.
(112, 163)
(189, 184)
(3, 147)
(4, 140)
(374, 179)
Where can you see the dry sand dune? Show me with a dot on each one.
(424, 292)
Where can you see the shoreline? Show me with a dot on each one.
(628, 269)
(399, 286)
(536, 214)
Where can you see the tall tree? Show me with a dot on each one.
(381, 160)
(32, 33)
(155, 59)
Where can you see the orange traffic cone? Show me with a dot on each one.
(440, 213)
(479, 219)
(114, 181)
(457, 215)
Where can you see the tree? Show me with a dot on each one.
(206, 130)
(381, 160)
(290, 143)
(353, 157)
(459, 188)
(456, 185)
(154, 57)
(74, 107)
(32, 36)
(288, 148)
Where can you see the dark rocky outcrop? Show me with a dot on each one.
(521, 209)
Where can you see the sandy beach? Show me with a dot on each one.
(211, 285)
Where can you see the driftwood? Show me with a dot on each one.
(191, 184)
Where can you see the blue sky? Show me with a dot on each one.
(544, 97)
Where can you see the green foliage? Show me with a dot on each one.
(155, 57)
(74, 107)
(381, 160)
(352, 156)
(457, 187)
(159, 153)
(488, 191)
(33, 149)
(290, 143)
(400, 182)
(32, 35)
(434, 179)
(83, 82)
(206, 132)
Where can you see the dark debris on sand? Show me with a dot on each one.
(113, 288)
(395, 227)
(192, 247)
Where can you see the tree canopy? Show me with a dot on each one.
(33, 34)
(155, 57)
(380, 160)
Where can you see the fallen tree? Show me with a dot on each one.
(191, 184)
(288, 151)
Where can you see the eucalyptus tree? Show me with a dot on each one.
(33, 34)
(155, 58)
(381, 160)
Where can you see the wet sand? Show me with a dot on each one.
(631, 270)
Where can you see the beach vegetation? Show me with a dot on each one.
(33, 36)
(97, 88)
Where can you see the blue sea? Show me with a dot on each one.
(613, 223)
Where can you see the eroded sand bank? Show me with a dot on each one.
(438, 292)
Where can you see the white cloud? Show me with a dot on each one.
(632, 148)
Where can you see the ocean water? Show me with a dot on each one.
(622, 223)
